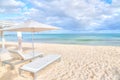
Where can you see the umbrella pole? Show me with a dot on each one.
(3, 41)
(33, 44)
(19, 35)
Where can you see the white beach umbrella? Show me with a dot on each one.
(31, 26)
(3, 51)
(8, 24)
(4, 24)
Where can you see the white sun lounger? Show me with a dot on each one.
(27, 56)
(24, 57)
(39, 64)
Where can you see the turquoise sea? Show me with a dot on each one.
(112, 39)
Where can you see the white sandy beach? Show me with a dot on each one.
(78, 62)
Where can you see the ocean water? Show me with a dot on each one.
(108, 39)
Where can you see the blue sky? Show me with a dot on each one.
(71, 15)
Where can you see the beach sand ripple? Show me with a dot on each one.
(77, 63)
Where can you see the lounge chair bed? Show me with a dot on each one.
(39, 64)
(24, 57)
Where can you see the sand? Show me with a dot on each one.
(78, 62)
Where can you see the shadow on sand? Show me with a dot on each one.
(9, 75)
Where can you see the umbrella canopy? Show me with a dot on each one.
(5, 24)
(31, 26)
(8, 24)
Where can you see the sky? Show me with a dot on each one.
(71, 15)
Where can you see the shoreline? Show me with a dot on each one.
(28, 42)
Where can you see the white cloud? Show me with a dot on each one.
(10, 6)
(93, 13)
(10, 3)
(2, 10)
(31, 11)
(89, 14)
(70, 14)
(86, 12)
(38, 3)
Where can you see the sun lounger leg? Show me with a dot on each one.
(59, 60)
(41, 56)
(3, 64)
(34, 76)
(20, 72)
(12, 66)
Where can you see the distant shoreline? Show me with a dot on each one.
(104, 39)
(28, 42)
